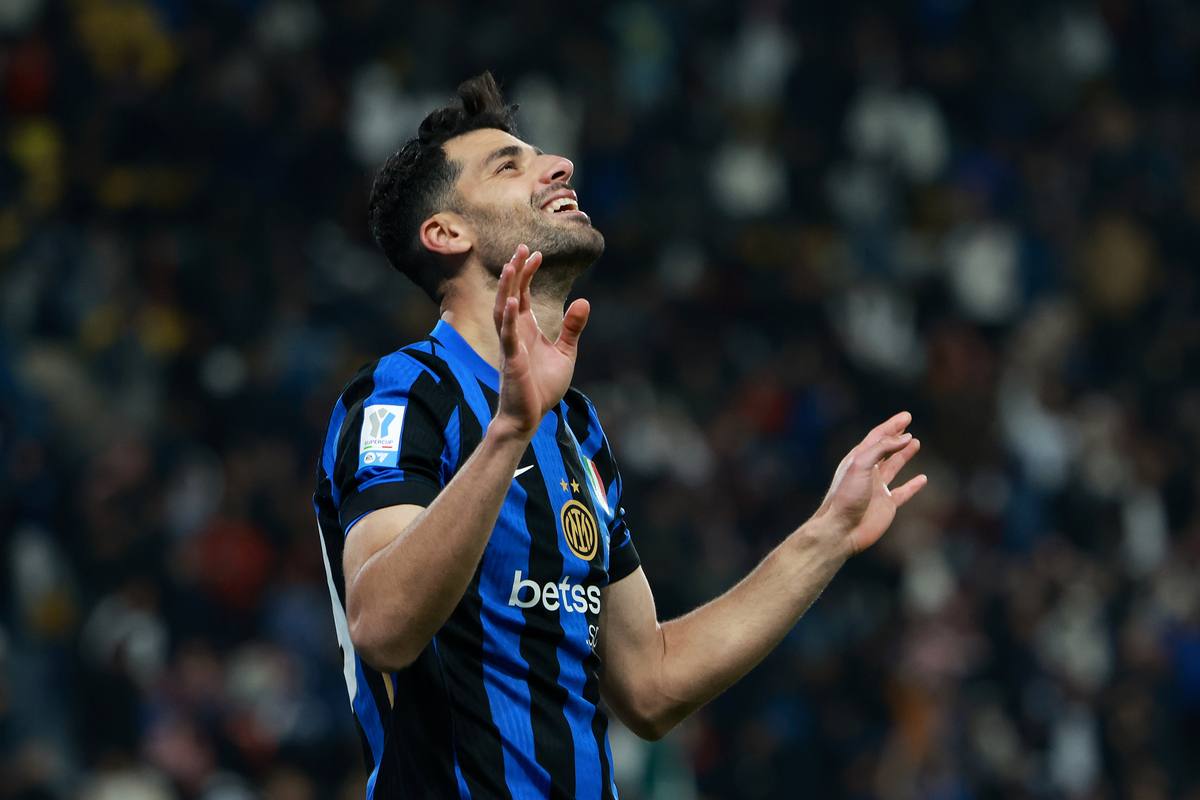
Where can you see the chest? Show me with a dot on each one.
(555, 513)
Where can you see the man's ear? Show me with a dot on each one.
(447, 233)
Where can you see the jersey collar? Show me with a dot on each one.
(450, 339)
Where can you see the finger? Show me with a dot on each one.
(573, 323)
(896, 461)
(891, 427)
(509, 341)
(904, 493)
(518, 261)
(503, 292)
(531, 266)
(875, 452)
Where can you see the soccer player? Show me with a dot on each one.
(486, 590)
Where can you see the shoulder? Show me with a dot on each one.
(584, 422)
(580, 410)
(409, 371)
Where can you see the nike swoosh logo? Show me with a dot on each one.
(523, 470)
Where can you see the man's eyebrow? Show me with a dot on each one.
(508, 152)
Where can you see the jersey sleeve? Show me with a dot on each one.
(623, 557)
(398, 441)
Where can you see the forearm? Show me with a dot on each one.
(656, 674)
(706, 651)
(406, 590)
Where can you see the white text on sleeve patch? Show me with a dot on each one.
(379, 443)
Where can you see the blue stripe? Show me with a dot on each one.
(453, 448)
(464, 791)
(505, 672)
(405, 364)
(368, 716)
(329, 455)
(471, 391)
(465, 355)
(612, 781)
(571, 675)
(394, 376)
(378, 475)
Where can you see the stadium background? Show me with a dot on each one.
(984, 211)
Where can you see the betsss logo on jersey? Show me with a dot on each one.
(552, 596)
(379, 441)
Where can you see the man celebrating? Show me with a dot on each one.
(489, 594)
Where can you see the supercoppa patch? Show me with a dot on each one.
(379, 441)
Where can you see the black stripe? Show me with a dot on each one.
(492, 398)
(357, 390)
(460, 641)
(624, 559)
(553, 744)
(331, 531)
(580, 413)
(600, 733)
(430, 406)
(453, 392)
(413, 765)
(424, 730)
(577, 471)
(387, 784)
(480, 752)
(577, 413)
(368, 756)
(414, 491)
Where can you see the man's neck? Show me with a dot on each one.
(470, 313)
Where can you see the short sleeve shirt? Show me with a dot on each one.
(504, 701)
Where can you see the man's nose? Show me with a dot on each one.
(556, 169)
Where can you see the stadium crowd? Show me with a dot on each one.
(986, 212)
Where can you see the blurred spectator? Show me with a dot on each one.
(816, 215)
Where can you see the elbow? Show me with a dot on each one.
(650, 723)
(651, 731)
(381, 650)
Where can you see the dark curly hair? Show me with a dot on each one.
(418, 180)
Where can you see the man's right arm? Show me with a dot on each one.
(407, 567)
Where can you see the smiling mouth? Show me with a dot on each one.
(561, 205)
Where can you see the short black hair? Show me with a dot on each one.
(417, 181)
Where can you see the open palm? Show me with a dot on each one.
(859, 499)
(534, 371)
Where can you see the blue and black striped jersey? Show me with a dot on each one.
(503, 702)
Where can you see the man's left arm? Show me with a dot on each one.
(656, 674)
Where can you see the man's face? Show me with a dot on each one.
(514, 194)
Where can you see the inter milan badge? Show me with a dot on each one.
(579, 527)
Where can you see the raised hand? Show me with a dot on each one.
(859, 502)
(534, 371)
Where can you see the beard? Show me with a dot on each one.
(568, 246)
